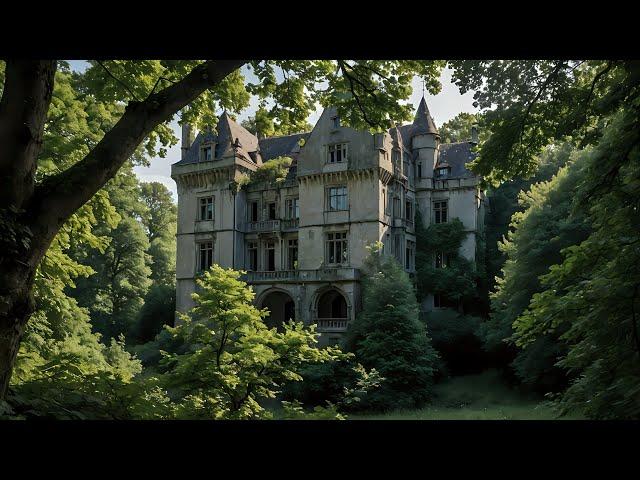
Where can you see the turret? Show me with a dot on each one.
(425, 140)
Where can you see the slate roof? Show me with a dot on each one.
(287, 145)
(457, 155)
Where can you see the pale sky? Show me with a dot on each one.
(443, 107)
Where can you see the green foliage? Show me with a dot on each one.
(458, 129)
(539, 234)
(457, 281)
(273, 172)
(294, 411)
(157, 311)
(528, 103)
(590, 297)
(389, 336)
(234, 361)
(343, 383)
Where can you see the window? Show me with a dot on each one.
(397, 208)
(271, 209)
(335, 122)
(292, 207)
(270, 256)
(419, 164)
(397, 248)
(442, 260)
(337, 248)
(337, 153)
(253, 256)
(293, 254)
(205, 256)
(440, 211)
(410, 255)
(395, 157)
(409, 210)
(207, 153)
(337, 198)
(253, 211)
(389, 203)
(442, 172)
(206, 208)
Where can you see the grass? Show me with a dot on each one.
(475, 397)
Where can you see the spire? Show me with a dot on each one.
(423, 122)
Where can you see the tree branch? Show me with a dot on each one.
(124, 85)
(59, 196)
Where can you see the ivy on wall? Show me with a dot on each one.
(456, 281)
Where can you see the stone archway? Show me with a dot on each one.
(281, 308)
(332, 311)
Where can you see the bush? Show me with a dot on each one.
(158, 310)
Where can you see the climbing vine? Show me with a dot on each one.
(455, 278)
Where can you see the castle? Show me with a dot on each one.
(302, 240)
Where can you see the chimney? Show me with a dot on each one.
(474, 134)
(187, 139)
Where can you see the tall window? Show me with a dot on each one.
(253, 256)
(409, 210)
(292, 207)
(205, 256)
(442, 260)
(293, 254)
(410, 255)
(270, 256)
(253, 211)
(419, 166)
(207, 153)
(389, 203)
(397, 248)
(206, 208)
(337, 198)
(271, 208)
(397, 209)
(337, 153)
(337, 248)
(440, 211)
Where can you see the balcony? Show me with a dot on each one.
(263, 226)
(289, 224)
(301, 276)
(331, 324)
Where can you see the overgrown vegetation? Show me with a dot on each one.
(273, 172)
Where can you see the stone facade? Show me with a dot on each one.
(302, 242)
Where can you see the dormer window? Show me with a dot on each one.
(442, 172)
(335, 123)
(206, 152)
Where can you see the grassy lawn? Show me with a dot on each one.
(474, 397)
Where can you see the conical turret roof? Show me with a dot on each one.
(423, 122)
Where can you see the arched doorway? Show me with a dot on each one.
(332, 311)
(281, 309)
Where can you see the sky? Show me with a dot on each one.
(443, 107)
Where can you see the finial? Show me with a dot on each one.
(423, 88)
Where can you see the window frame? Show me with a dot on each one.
(200, 208)
(329, 196)
(439, 211)
(331, 243)
(335, 148)
(200, 251)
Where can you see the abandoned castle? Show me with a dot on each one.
(302, 241)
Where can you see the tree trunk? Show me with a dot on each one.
(31, 215)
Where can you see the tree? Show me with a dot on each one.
(389, 336)
(146, 95)
(540, 232)
(590, 297)
(458, 129)
(234, 360)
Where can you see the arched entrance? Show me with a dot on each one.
(281, 309)
(332, 311)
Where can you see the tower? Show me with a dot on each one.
(425, 140)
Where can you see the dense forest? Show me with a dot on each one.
(87, 251)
